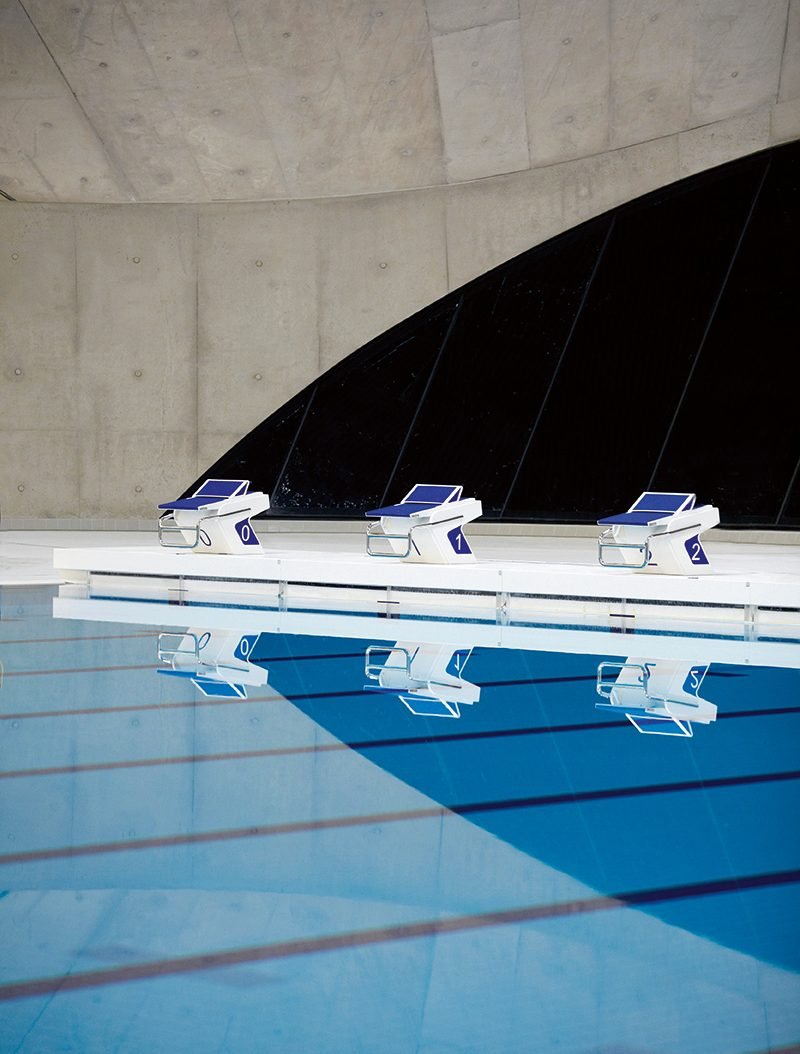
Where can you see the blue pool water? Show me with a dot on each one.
(290, 849)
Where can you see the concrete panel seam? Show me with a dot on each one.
(783, 51)
(113, 163)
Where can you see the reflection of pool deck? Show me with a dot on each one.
(516, 578)
(582, 639)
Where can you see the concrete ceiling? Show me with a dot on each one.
(229, 100)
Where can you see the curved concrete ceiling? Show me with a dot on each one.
(229, 100)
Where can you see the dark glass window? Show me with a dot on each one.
(737, 435)
(261, 454)
(790, 516)
(655, 347)
(623, 373)
(495, 369)
(357, 422)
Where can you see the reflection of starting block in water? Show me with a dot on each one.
(215, 662)
(659, 697)
(216, 519)
(659, 533)
(427, 677)
(425, 527)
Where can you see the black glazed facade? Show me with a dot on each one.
(655, 347)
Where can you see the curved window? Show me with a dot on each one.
(653, 348)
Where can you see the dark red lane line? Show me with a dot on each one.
(438, 927)
(187, 759)
(78, 669)
(313, 748)
(146, 666)
(135, 707)
(276, 697)
(223, 835)
(360, 820)
(85, 711)
(64, 640)
(366, 744)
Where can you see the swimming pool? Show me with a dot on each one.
(315, 842)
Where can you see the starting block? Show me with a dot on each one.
(660, 533)
(658, 697)
(426, 677)
(216, 662)
(216, 519)
(427, 526)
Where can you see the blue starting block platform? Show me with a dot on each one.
(427, 526)
(659, 533)
(215, 519)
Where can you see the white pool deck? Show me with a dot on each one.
(516, 575)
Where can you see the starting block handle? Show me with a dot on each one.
(169, 654)
(165, 528)
(642, 547)
(373, 670)
(374, 532)
(605, 686)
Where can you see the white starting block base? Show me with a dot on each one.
(505, 589)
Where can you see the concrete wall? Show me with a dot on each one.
(396, 151)
(139, 342)
(206, 100)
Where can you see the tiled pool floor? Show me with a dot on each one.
(293, 845)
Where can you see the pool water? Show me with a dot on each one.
(330, 844)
